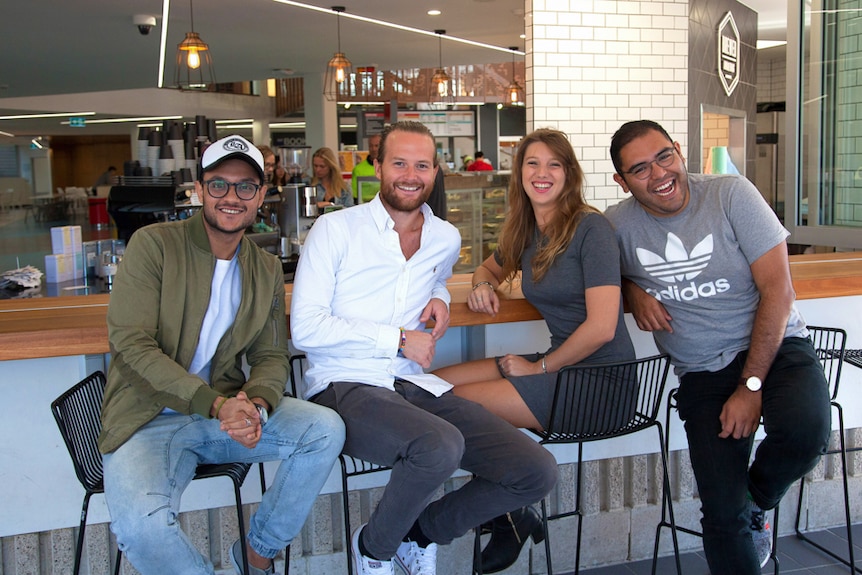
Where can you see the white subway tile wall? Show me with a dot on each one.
(593, 65)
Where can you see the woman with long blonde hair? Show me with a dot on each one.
(331, 188)
(568, 259)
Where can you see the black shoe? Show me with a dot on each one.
(509, 532)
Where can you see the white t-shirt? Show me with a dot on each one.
(225, 295)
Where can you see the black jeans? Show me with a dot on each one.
(796, 417)
(425, 439)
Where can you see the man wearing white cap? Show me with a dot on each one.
(190, 300)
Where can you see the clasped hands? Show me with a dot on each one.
(240, 419)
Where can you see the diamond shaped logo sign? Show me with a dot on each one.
(728, 53)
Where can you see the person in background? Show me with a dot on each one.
(332, 190)
(368, 280)
(568, 257)
(279, 175)
(480, 164)
(269, 162)
(364, 169)
(192, 300)
(465, 162)
(437, 199)
(108, 178)
(705, 268)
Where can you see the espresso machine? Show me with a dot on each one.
(299, 202)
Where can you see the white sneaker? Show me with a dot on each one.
(363, 565)
(415, 560)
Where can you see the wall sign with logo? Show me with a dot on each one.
(728, 53)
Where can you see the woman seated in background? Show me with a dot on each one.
(568, 257)
(331, 187)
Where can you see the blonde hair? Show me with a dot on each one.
(519, 228)
(336, 184)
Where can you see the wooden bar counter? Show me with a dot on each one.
(75, 325)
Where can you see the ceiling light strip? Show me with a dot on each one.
(397, 26)
(123, 120)
(166, 9)
(51, 115)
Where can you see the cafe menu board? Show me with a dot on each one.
(444, 123)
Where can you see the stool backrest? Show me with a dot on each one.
(606, 400)
(297, 368)
(829, 343)
(78, 415)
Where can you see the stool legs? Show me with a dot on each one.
(666, 520)
(849, 561)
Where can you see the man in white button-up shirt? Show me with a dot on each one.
(369, 279)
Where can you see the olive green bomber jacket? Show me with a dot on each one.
(157, 306)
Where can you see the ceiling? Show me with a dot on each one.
(65, 47)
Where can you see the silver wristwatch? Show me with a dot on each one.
(753, 383)
(264, 415)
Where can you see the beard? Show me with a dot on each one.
(211, 217)
(390, 197)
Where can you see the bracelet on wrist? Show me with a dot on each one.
(403, 342)
(483, 283)
(544, 367)
(218, 407)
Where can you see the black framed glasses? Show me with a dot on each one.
(644, 170)
(218, 188)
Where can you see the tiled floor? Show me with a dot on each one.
(795, 557)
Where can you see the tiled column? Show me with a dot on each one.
(594, 64)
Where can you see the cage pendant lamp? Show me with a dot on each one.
(339, 69)
(440, 91)
(514, 93)
(194, 64)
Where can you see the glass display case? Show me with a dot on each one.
(476, 205)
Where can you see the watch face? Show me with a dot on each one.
(753, 383)
(264, 416)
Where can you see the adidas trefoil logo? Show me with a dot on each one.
(676, 265)
(679, 269)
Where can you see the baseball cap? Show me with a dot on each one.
(232, 147)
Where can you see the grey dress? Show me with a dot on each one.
(592, 259)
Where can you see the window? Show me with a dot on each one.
(824, 207)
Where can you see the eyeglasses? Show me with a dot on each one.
(218, 188)
(644, 170)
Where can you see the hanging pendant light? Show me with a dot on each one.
(194, 65)
(514, 93)
(339, 69)
(441, 90)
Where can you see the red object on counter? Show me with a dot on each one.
(98, 211)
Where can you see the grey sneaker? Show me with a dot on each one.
(363, 565)
(761, 534)
(235, 553)
(415, 560)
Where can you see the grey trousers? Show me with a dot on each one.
(425, 439)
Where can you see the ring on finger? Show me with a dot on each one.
(247, 422)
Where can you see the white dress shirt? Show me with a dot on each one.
(354, 289)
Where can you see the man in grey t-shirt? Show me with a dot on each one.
(705, 269)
